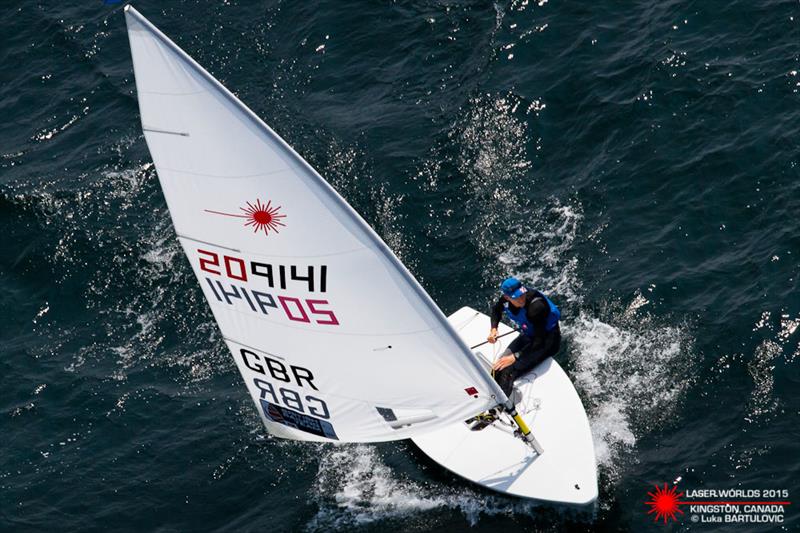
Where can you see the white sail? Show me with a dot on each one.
(334, 338)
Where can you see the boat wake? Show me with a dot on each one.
(632, 372)
(355, 487)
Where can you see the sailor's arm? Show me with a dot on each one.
(506, 359)
(497, 312)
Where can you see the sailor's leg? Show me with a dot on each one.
(505, 378)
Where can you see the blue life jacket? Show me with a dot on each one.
(521, 316)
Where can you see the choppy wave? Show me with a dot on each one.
(493, 144)
(355, 487)
(633, 371)
(763, 404)
(540, 250)
(133, 251)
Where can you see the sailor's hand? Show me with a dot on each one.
(492, 338)
(504, 362)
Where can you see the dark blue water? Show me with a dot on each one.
(637, 160)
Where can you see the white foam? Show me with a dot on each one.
(162, 251)
(493, 154)
(355, 487)
(539, 250)
(762, 402)
(632, 373)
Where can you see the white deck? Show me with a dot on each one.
(566, 472)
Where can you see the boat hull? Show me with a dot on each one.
(566, 471)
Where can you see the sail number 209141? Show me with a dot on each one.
(283, 277)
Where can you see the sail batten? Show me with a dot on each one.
(329, 324)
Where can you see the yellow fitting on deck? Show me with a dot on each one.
(523, 427)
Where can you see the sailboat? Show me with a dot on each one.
(334, 338)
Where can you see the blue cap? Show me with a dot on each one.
(512, 287)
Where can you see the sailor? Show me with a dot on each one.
(536, 318)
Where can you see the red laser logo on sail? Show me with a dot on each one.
(664, 503)
(261, 217)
